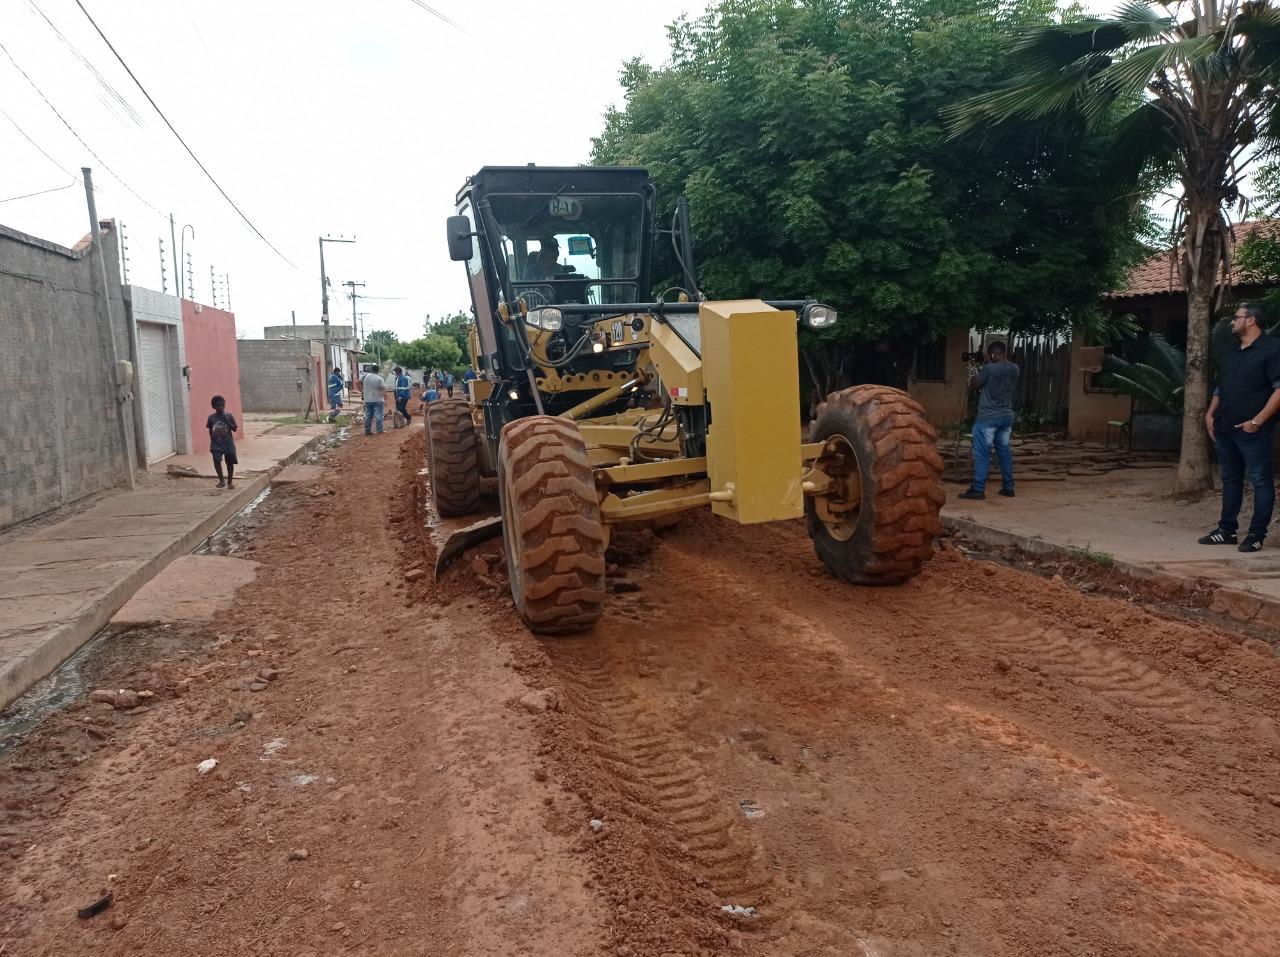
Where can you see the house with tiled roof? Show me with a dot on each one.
(1153, 294)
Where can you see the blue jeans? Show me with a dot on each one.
(1242, 453)
(987, 431)
(372, 414)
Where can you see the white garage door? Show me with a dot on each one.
(157, 393)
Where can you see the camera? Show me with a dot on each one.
(971, 357)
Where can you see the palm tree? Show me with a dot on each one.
(1189, 91)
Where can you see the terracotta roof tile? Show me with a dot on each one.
(1159, 274)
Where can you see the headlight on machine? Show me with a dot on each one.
(818, 316)
(547, 319)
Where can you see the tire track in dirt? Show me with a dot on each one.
(1052, 833)
(1110, 672)
(664, 783)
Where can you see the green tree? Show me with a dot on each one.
(807, 136)
(380, 343)
(429, 352)
(1196, 84)
(453, 326)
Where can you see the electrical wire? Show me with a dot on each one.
(93, 70)
(440, 16)
(190, 152)
(38, 147)
(54, 189)
(78, 137)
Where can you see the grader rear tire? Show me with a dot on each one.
(888, 536)
(453, 457)
(552, 530)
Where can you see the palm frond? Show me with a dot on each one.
(1145, 137)
(1140, 392)
(1130, 75)
(1143, 21)
(1064, 43)
(1028, 96)
(1158, 352)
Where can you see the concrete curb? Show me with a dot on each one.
(1244, 606)
(19, 674)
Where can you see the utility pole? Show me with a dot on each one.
(173, 251)
(324, 296)
(120, 395)
(164, 277)
(355, 297)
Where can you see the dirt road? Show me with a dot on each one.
(982, 762)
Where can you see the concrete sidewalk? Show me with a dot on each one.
(1129, 515)
(62, 580)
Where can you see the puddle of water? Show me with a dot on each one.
(47, 695)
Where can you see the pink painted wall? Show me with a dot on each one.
(210, 336)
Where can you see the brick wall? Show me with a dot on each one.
(59, 434)
(270, 371)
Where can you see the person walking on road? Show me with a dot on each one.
(1241, 421)
(404, 388)
(428, 396)
(995, 384)
(448, 383)
(335, 393)
(222, 442)
(374, 388)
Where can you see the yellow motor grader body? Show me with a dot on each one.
(592, 408)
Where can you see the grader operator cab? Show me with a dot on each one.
(594, 406)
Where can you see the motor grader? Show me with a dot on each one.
(593, 406)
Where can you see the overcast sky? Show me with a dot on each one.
(317, 117)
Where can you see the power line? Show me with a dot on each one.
(54, 189)
(40, 148)
(89, 148)
(190, 152)
(437, 14)
(93, 70)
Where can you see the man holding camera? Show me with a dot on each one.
(996, 382)
(1241, 421)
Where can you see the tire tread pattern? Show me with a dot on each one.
(902, 491)
(453, 457)
(553, 531)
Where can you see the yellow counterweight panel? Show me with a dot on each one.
(750, 364)
(677, 365)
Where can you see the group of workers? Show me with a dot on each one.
(373, 389)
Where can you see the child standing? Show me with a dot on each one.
(222, 427)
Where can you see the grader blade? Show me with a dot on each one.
(463, 538)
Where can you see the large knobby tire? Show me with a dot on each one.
(453, 457)
(890, 535)
(552, 530)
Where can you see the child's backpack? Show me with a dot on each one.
(221, 432)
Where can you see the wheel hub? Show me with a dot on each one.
(839, 505)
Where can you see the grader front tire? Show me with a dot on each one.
(453, 457)
(552, 529)
(889, 535)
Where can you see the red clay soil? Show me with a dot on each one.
(980, 762)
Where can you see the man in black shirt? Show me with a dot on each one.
(1241, 421)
